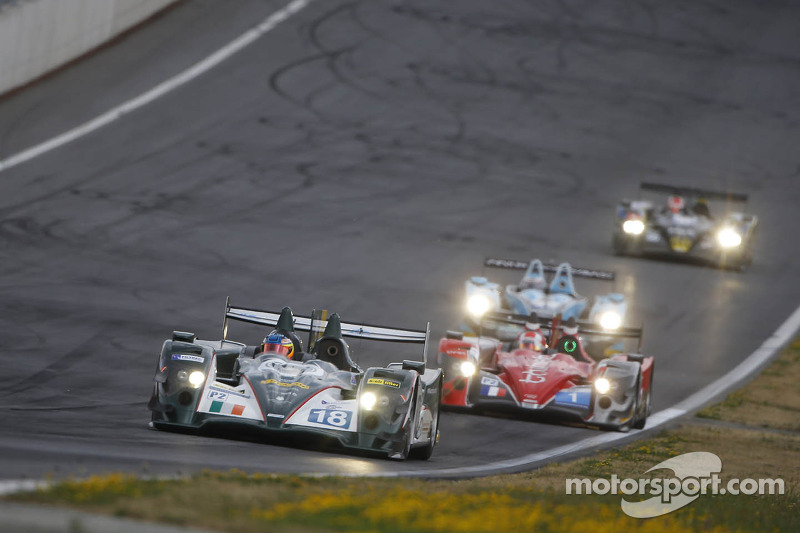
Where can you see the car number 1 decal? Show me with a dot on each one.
(330, 417)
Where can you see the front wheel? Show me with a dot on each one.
(425, 452)
(618, 245)
(408, 435)
(647, 404)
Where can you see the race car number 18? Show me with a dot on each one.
(330, 417)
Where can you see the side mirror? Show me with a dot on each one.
(419, 366)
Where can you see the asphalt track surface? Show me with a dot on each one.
(365, 157)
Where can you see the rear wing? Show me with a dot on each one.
(692, 191)
(313, 325)
(514, 264)
(585, 327)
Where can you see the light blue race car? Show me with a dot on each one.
(535, 294)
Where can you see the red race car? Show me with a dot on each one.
(548, 373)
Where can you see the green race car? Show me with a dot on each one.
(321, 392)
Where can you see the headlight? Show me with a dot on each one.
(368, 400)
(633, 227)
(478, 304)
(729, 238)
(610, 320)
(602, 385)
(468, 368)
(196, 378)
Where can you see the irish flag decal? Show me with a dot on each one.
(226, 409)
(222, 399)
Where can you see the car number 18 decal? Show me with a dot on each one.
(330, 417)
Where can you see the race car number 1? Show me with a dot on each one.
(330, 417)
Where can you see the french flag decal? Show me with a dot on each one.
(488, 390)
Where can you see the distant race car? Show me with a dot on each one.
(684, 226)
(205, 384)
(534, 294)
(481, 374)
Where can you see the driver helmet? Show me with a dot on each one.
(532, 340)
(676, 204)
(279, 344)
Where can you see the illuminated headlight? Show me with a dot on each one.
(633, 227)
(368, 400)
(468, 368)
(196, 378)
(602, 385)
(182, 375)
(610, 320)
(729, 238)
(478, 304)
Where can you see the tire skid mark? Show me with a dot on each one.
(54, 369)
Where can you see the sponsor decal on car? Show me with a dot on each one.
(222, 388)
(537, 371)
(529, 403)
(283, 384)
(187, 357)
(680, 244)
(329, 405)
(489, 381)
(507, 263)
(384, 382)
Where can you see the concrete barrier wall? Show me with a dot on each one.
(37, 36)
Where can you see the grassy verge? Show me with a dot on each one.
(771, 401)
(762, 441)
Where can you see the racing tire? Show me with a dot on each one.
(634, 419)
(626, 246)
(648, 403)
(408, 435)
(618, 245)
(424, 452)
(744, 264)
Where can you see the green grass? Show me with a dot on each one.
(234, 501)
